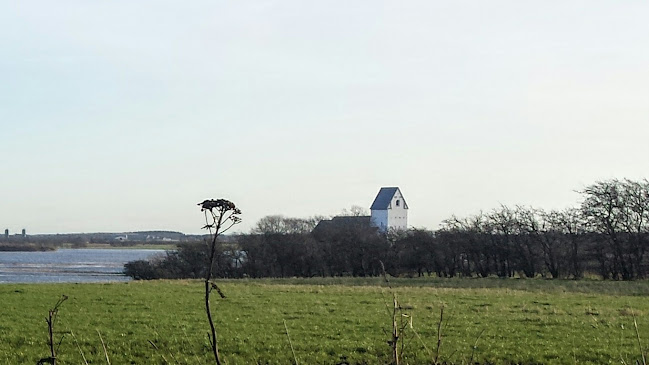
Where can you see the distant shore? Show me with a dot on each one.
(28, 247)
(40, 247)
(137, 246)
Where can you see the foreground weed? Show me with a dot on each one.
(290, 343)
(220, 216)
(637, 333)
(83, 356)
(399, 322)
(435, 356)
(103, 345)
(51, 321)
(439, 336)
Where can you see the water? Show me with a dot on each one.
(69, 265)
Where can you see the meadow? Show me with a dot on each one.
(332, 320)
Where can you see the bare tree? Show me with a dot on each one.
(472, 236)
(354, 211)
(619, 212)
(501, 228)
(278, 224)
(220, 216)
(563, 241)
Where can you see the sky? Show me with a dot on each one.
(123, 115)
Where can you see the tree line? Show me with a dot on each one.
(606, 235)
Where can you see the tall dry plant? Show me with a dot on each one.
(220, 216)
(642, 351)
(51, 322)
(397, 322)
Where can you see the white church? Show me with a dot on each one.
(389, 213)
(389, 210)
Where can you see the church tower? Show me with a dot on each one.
(389, 210)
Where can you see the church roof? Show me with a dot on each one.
(340, 222)
(383, 198)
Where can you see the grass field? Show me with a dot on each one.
(514, 321)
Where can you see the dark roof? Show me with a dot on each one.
(344, 219)
(383, 198)
(350, 219)
(340, 222)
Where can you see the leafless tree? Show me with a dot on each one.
(619, 211)
(354, 211)
(278, 224)
(563, 241)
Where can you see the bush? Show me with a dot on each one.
(141, 270)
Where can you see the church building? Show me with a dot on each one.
(389, 210)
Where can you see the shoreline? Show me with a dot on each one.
(36, 247)
(26, 247)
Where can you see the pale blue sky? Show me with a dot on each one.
(122, 115)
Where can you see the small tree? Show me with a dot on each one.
(220, 216)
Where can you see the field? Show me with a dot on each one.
(331, 320)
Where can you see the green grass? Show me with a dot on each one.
(526, 321)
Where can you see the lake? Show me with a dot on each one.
(69, 265)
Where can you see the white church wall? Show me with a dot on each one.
(397, 214)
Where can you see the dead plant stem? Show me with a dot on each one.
(290, 343)
(104, 346)
(79, 347)
(439, 335)
(637, 334)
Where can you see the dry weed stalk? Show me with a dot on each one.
(158, 349)
(398, 324)
(220, 216)
(439, 335)
(290, 343)
(51, 321)
(637, 334)
(475, 346)
(103, 345)
(394, 342)
(85, 361)
(643, 357)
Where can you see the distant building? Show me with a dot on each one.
(7, 233)
(24, 233)
(389, 210)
